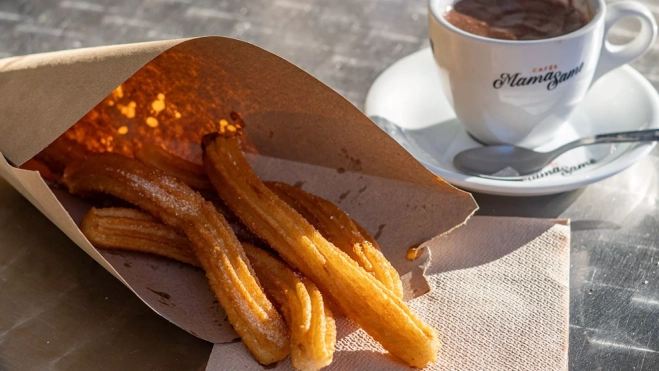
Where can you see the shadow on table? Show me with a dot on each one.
(550, 206)
(62, 310)
(484, 240)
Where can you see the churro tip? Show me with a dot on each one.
(208, 139)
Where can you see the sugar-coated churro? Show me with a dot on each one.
(188, 172)
(337, 227)
(214, 244)
(310, 322)
(343, 232)
(131, 229)
(359, 295)
(193, 175)
(312, 328)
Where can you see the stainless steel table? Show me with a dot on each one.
(59, 310)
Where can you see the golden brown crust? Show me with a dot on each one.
(337, 227)
(361, 297)
(134, 230)
(193, 175)
(188, 172)
(214, 244)
(311, 323)
(367, 236)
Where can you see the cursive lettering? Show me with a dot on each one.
(562, 170)
(553, 79)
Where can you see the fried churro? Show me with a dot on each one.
(337, 227)
(311, 325)
(186, 171)
(332, 222)
(312, 328)
(360, 296)
(213, 242)
(193, 175)
(134, 230)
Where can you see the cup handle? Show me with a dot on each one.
(614, 56)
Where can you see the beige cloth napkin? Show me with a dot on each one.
(499, 299)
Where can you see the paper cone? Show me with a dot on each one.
(172, 93)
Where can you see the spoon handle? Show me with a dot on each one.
(621, 137)
(629, 136)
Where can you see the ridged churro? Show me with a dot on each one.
(337, 227)
(332, 222)
(134, 230)
(312, 328)
(214, 244)
(360, 296)
(311, 325)
(193, 175)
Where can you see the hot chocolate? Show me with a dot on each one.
(516, 19)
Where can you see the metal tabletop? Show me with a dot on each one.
(59, 310)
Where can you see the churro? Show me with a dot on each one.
(312, 328)
(214, 244)
(311, 325)
(337, 227)
(134, 230)
(360, 296)
(193, 175)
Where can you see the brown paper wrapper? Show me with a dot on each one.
(299, 131)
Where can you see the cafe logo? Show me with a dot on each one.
(552, 78)
(562, 170)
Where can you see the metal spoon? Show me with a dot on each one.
(503, 161)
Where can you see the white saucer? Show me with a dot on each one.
(406, 101)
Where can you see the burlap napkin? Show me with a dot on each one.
(499, 300)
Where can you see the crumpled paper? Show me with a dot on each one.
(499, 299)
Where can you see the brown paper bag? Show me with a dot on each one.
(171, 93)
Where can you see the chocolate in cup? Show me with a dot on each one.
(516, 19)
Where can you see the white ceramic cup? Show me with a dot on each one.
(521, 92)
